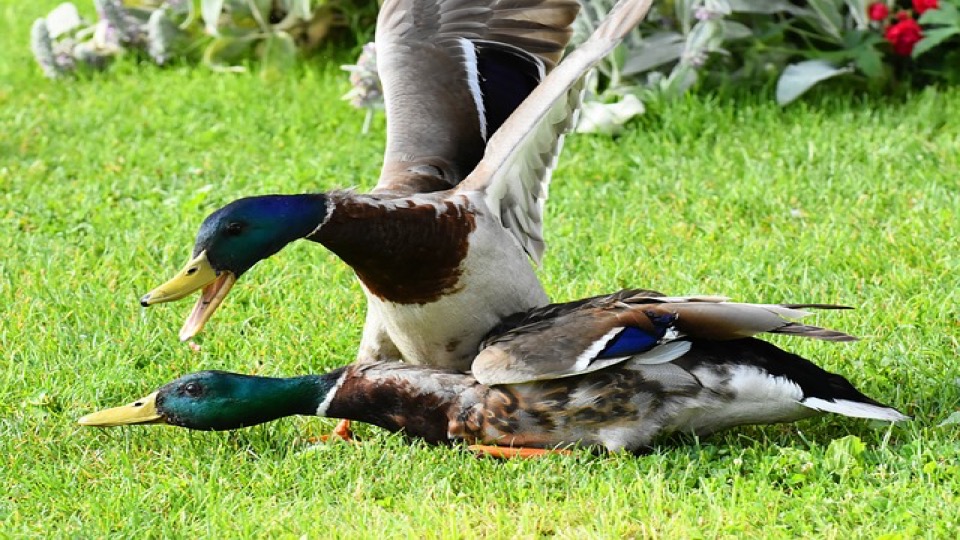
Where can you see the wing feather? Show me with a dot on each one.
(427, 56)
(516, 167)
(564, 340)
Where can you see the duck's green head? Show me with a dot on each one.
(219, 400)
(232, 240)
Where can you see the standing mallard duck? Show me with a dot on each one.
(611, 372)
(441, 246)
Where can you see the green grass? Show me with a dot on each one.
(104, 182)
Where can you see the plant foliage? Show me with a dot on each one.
(223, 34)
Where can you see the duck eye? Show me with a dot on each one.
(234, 228)
(192, 389)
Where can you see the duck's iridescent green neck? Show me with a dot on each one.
(216, 400)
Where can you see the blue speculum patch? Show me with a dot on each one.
(629, 341)
(633, 340)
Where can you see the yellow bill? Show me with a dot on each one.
(197, 274)
(141, 411)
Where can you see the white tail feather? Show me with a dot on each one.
(855, 409)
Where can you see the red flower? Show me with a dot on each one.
(922, 5)
(878, 11)
(903, 36)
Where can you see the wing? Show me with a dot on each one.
(515, 170)
(452, 72)
(577, 338)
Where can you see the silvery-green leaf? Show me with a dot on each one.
(127, 27)
(798, 78)
(684, 10)
(64, 18)
(721, 7)
(655, 51)
(92, 56)
(105, 38)
(858, 10)
(295, 12)
(608, 118)
(827, 14)
(138, 15)
(764, 6)
(278, 54)
(704, 36)
(952, 420)
(297, 8)
(733, 30)
(210, 11)
(162, 35)
(680, 80)
(43, 49)
(256, 10)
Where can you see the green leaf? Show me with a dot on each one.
(870, 62)
(297, 8)
(278, 54)
(705, 36)
(765, 7)
(162, 37)
(680, 80)
(844, 453)
(733, 30)
(684, 14)
(858, 11)
(224, 53)
(257, 11)
(952, 420)
(827, 14)
(855, 38)
(932, 38)
(945, 14)
(655, 51)
(798, 78)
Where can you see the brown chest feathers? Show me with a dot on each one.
(402, 398)
(405, 252)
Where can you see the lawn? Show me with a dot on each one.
(105, 180)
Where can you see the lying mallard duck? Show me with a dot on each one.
(439, 269)
(612, 372)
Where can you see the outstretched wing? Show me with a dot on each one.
(576, 338)
(452, 72)
(515, 170)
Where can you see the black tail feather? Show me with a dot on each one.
(814, 332)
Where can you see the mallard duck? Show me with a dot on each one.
(441, 245)
(612, 372)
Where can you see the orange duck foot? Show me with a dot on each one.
(510, 452)
(340, 433)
